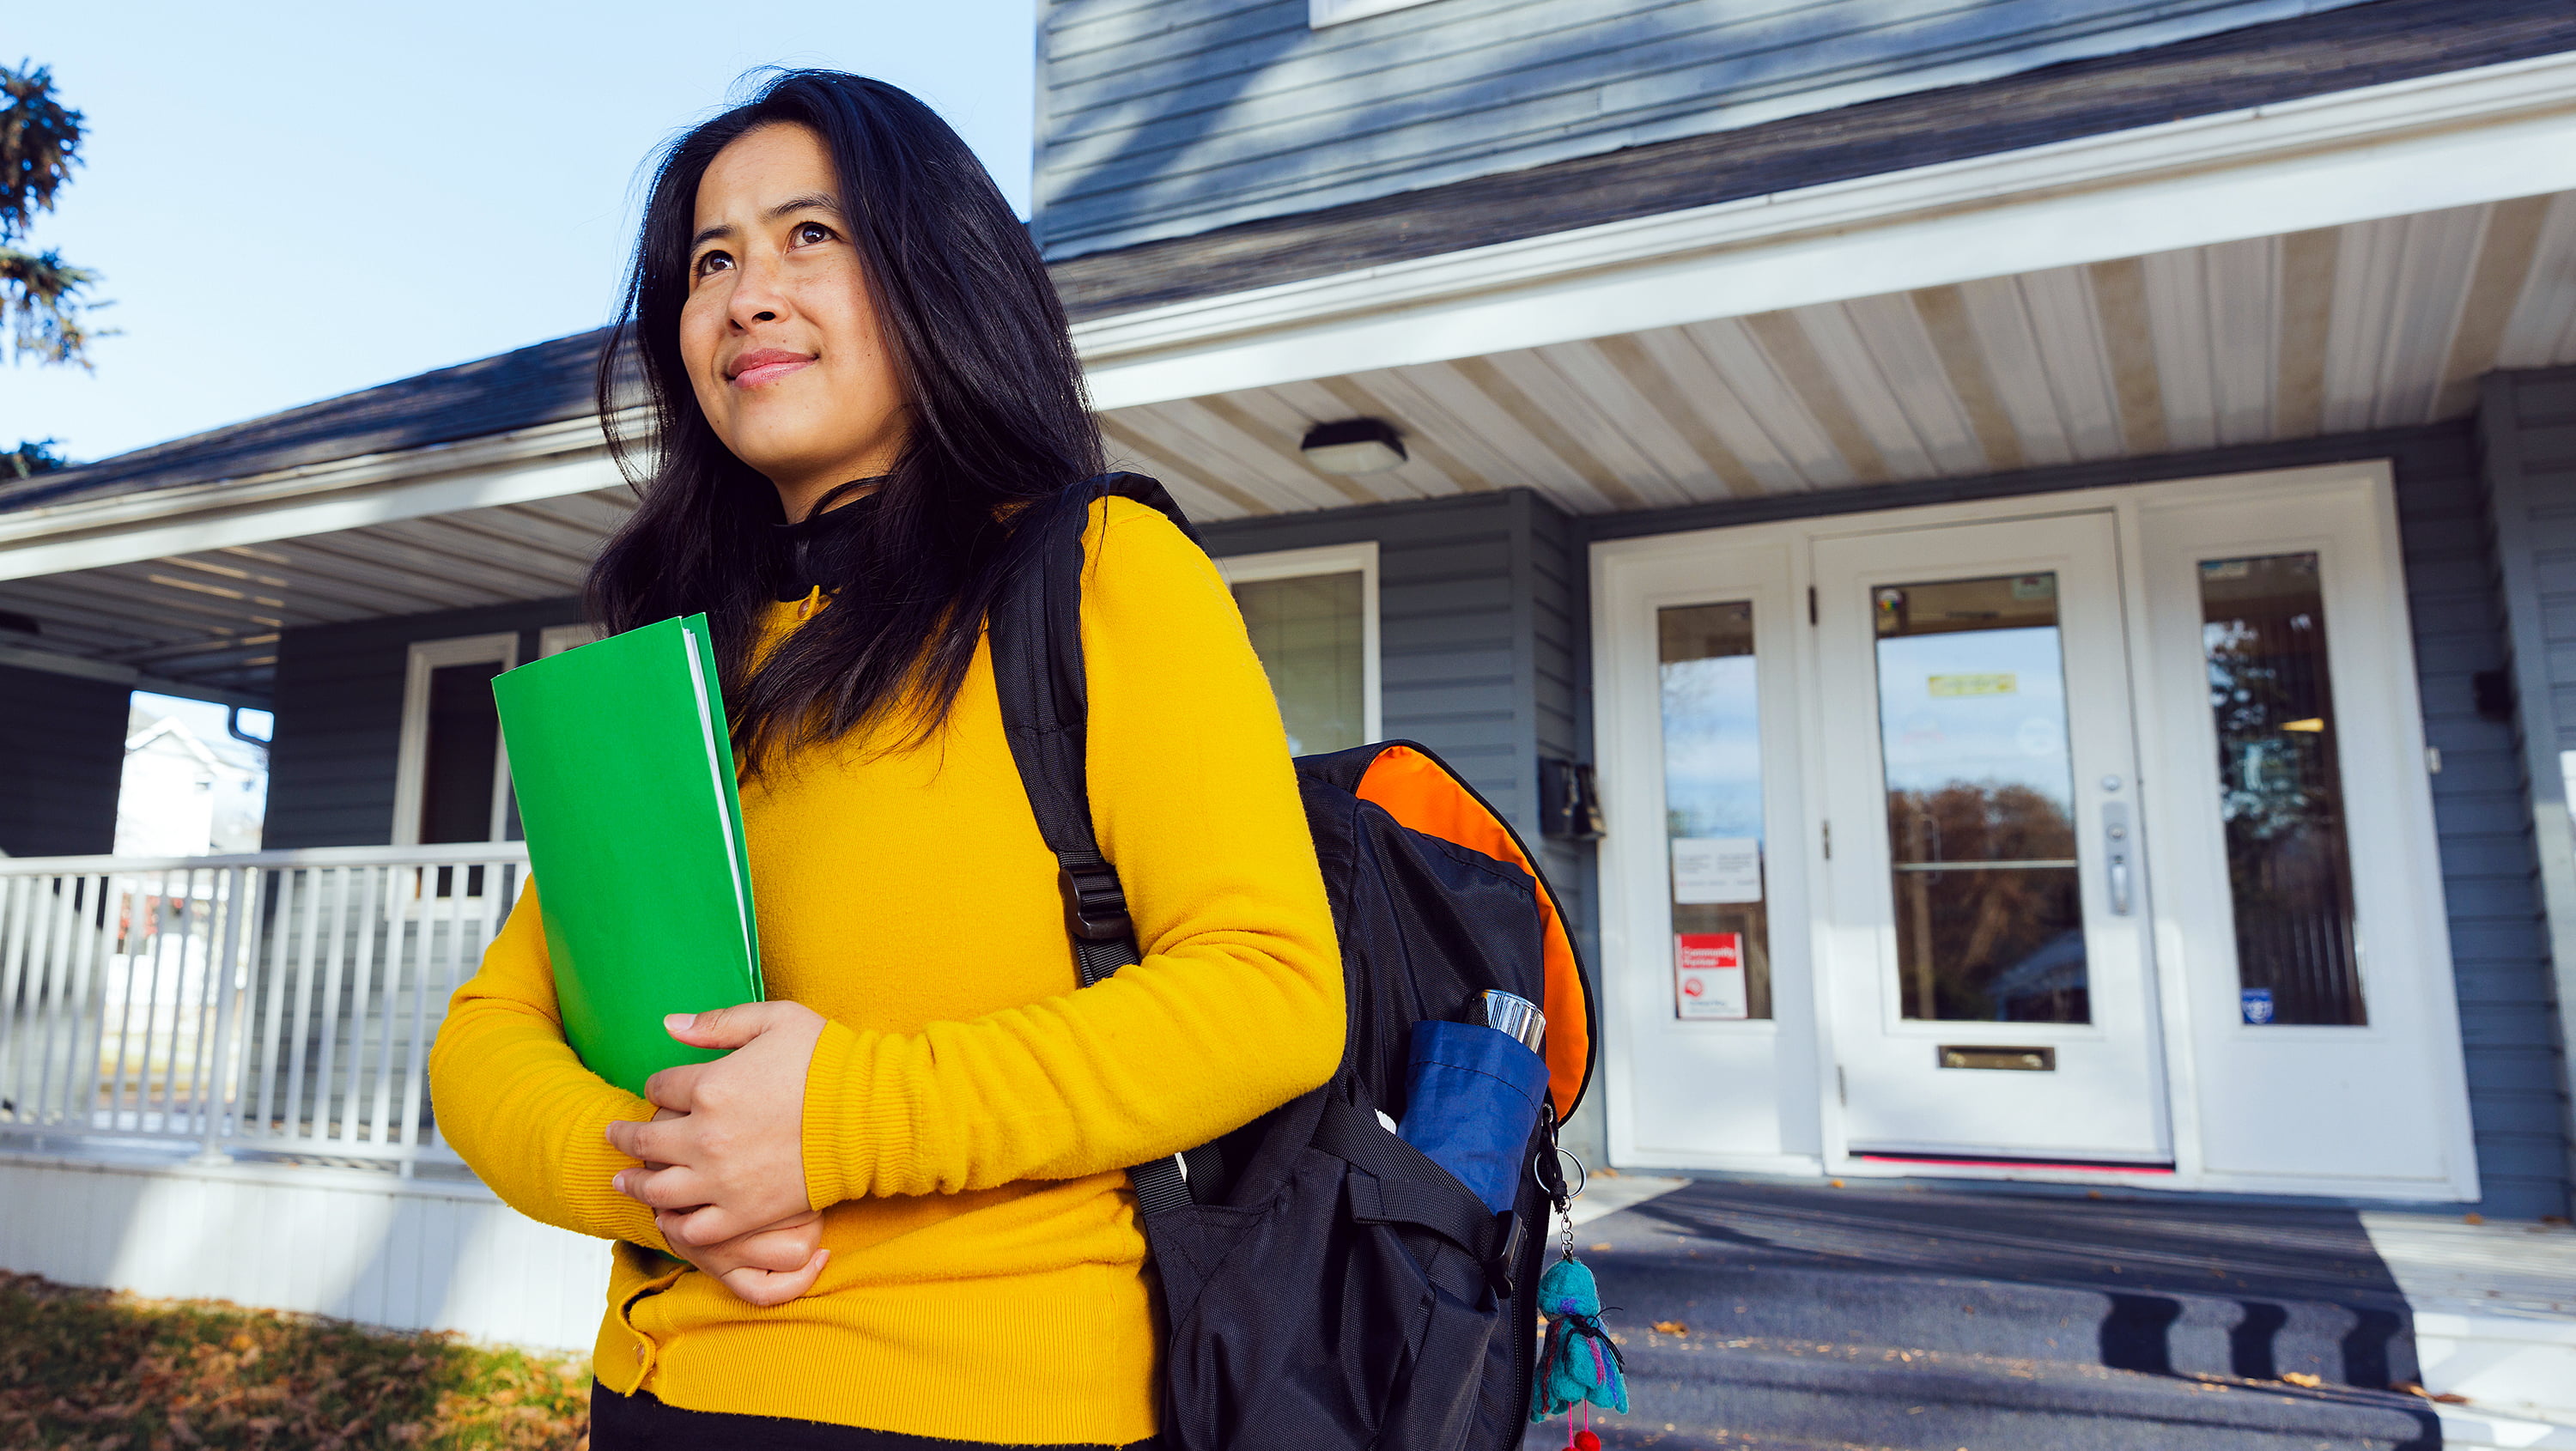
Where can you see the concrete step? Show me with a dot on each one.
(2163, 1331)
(1901, 1318)
(2252, 1293)
(1740, 1392)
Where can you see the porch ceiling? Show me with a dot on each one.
(212, 618)
(2371, 325)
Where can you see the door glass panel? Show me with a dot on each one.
(2280, 790)
(1713, 812)
(1980, 801)
(1310, 637)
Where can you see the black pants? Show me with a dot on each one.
(641, 1423)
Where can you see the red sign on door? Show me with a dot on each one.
(1708, 975)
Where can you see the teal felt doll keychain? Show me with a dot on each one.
(1578, 1363)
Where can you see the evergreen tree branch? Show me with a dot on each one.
(39, 145)
(43, 310)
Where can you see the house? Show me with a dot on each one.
(2015, 557)
(186, 791)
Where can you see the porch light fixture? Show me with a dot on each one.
(1353, 446)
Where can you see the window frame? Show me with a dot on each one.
(1321, 13)
(1359, 557)
(555, 639)
(412, 756)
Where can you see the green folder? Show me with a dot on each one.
(624, 773)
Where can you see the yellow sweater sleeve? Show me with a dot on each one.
(1237, 1005)
(515, 1101)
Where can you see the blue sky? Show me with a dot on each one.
(290, 201)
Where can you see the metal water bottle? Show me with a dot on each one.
(1513, 1014)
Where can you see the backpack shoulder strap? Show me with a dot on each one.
(1035, 629)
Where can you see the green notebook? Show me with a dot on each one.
(624, 774)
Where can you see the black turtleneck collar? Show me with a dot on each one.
(811, 552)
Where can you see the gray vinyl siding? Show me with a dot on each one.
(2528, 427)
(1161, 118)
(339, 707)
(2482, 815)
(62, 757)
(1454, 661)
(1477, 606)
(1556, 599)
(1482, 635)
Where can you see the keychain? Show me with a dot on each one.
(1578, 1365)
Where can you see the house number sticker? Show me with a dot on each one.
(1708, 975)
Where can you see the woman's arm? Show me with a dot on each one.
(1236, 1008)
(516, 1102)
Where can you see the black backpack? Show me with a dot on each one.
(1324, 1284)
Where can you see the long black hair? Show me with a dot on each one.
(999, 420)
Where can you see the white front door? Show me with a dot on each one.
(1987, 965)
(2068, 837)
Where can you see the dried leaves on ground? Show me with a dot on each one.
(89, 1370)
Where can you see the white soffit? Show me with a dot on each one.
(2378, 324)
(2455, 140)
(211, 613)
(545, 462)
(2375, 324)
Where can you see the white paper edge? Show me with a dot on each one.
(724, 818)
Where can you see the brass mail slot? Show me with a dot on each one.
(2026, 1060)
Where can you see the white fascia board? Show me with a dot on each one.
(514, 468)
(2460, 139)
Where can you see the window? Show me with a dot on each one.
(1713, 811)
(451, 782)
(2280, 790)
(1312, 614)
(556, 639)
(1981, 801)
(1320, 13)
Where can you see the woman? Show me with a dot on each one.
(895, 1209)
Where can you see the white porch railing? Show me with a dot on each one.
(279, 1002)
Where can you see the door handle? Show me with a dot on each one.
(2117, 846)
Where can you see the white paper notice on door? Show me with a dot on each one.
(1710, 869)
(1708, 975)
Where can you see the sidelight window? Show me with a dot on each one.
(1713, 812)
(2280, 790)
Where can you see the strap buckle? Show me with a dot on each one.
(1095, 906)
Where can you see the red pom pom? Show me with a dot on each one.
(1586, 1441)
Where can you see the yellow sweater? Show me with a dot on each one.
(968, 1111)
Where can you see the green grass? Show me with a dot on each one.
(100, 1371)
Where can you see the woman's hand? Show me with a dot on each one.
(732, 1164)
(769, 1266)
